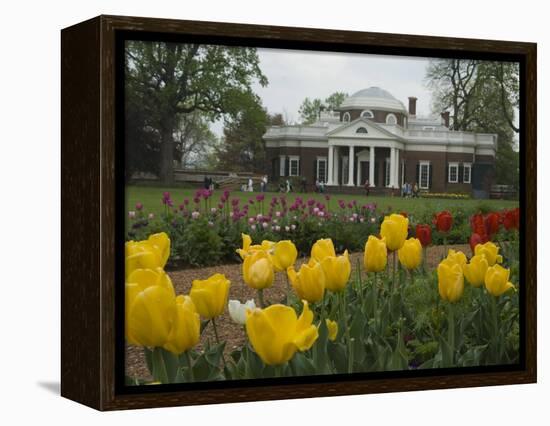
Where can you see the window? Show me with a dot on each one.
(424, 175)
(346, 117)
(294, 166)
(322, 169)
(467, 176)
(391, 119)
(387, 174)
(367, 114)
(282, 160)
(361, 130)
(453, 172)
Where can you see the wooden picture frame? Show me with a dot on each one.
(92, 210)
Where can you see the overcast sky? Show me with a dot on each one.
(294, 75)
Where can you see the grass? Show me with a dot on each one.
(151, 198)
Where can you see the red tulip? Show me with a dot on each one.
(476, 239)
(477, 223)
(424, 234)
(492, 223)
(510, 219)
(443, 221)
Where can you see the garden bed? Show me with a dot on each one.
(228, 331)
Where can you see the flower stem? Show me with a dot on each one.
(394, 270)
(261, 297)
(190, 363)
(343, 313)
(216, 331)
(451, 333)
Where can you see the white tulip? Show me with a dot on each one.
(237, 310)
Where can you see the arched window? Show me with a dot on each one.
(391, 119)
(367, 114)
(361, 130)
(346, 117)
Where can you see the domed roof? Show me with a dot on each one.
(373, 98)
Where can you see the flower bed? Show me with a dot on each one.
(393, 313)
(204, 231)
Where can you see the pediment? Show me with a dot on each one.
(361, 128)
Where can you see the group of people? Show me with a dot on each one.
(285, 186)
(249, 185)
(409, 190)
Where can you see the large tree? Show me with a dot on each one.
(481, 96)
(168, 80)
(242, 147)
(310, 109)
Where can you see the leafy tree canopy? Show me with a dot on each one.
(311, 108)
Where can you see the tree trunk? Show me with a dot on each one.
(167, 155)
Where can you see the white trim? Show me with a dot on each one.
(367, 113)
(319, 161)
(292, 158)
(469, 167)
(282, 165)
(391, 115)
(449, 167)
(420, 165)
(346, 118)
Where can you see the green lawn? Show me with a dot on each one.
(151, 198)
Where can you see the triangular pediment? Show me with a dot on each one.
(362, 128)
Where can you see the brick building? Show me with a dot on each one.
(372, 136)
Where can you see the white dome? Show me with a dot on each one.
(373, 98)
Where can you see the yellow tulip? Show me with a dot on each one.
(456, 257)
(395, 229)
(450, 281)
(322, 248)
(147, 254)
(376, 254)
(309, 282)
(475, 270)
(210, 295)
(490, 251)
(247, 242)
(284, 255)
(258, 270)
(185, 332)
(150, 307)
(496, 280)
(337, 270)
(410, 254)
(276, 333)
(332, 327)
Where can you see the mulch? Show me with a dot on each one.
(228, 331)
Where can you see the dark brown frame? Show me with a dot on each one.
(89, 210)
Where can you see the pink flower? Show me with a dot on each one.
(139, 206)
(321, 214)
(195, 215)
(316, 210)
(278, 213)
(265, 225)
(213, 210)
(251, 220)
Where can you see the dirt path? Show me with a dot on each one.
(228, 331)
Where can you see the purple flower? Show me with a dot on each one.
(260, 197)
(342, 204)
(327, 197)
(235, 202)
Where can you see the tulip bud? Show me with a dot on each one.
(475, 270)
(410, 254)
(147, 254)
(322, 248)
(376, 254)
(450, 281)
(284, 255)
(443, 221)
(424, 234)
(237, 310)
(332, 327)
(394, 230)
(210, 295)
(337, 270)
(309, 282)
(258, 270)
(185, 332)
(490, 251)
(497, 280)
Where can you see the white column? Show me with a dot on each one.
(392, 167)
(330, 170)
(359, 177)
(336, 166)
(351, 162)
(371, 166)
(396, 168)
